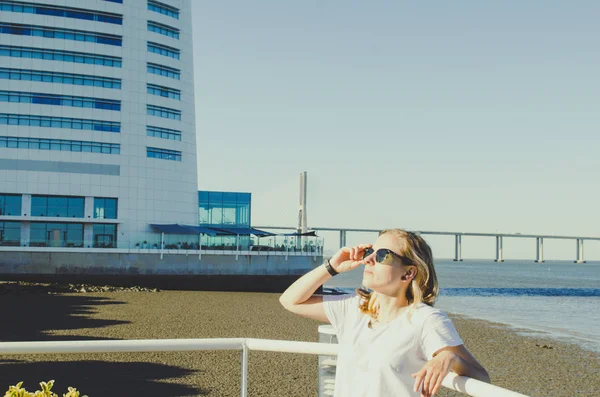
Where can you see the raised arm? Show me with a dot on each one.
(299, 299)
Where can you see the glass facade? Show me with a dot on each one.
(105, 208)
(166, 92)
(58, 77)
(56, 11)
(164, 133)
(14, 142)
(228, 209)
(60, 100)
(165, 30)
(59, 33)
(163, 71)
(52, 234)
(62, 206)
(164, 50)
(105, 236)
(10, 234)
(10, 204)
(163, 154)
(60, 55)
(59, 122)
(164, 9)
(163, 112)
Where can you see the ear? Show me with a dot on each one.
(411, 272)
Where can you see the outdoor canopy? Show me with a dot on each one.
(244, 231)
(211, 231)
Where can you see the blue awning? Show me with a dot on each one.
(307, 234)
(175, 228)
(244, 231)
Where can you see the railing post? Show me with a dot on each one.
(342, 238)
(244, 383)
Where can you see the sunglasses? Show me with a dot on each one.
(386, 256)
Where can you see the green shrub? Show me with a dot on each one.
(17, 391)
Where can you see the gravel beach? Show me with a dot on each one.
(529, 364)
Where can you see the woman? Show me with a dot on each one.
(392, 341)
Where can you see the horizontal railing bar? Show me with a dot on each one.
(117, 346)
(469, 386)
(475, 388)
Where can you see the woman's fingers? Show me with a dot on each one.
(418, 379)
(426, 390)
(431, 388)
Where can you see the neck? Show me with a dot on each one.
(390, 307)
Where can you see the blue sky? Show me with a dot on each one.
(453, 116)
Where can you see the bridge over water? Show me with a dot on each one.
(458, 239)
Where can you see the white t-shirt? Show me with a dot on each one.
(379, 362)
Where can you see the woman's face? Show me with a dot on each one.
(379, 277)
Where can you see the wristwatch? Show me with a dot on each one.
(330, 269)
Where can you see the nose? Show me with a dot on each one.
(369, 260)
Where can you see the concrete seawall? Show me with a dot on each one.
(181, 271)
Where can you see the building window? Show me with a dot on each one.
(59, 122)
(163, 71)
(59, 33)
(166, 92)
(59, 55)
(105, 208)
(60, 100)
(115, 1)
(163, 154)
(224, 208)
(59, 206)
(163, 8)
(163, 50)
(164, 133)
(56, 11)
(161, 111)
(165, 30)
(10, 204)
(58, 77)
(105, 236)
(14, 142)
(10, 234)
(50, 234)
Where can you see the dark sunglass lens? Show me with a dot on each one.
(381, 255)
(367, 252)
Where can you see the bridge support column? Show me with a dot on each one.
(499, 256)
(539, 249)
(457, 248)
(580, 251)
(342, 238)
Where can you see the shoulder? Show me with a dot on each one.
(423, 313)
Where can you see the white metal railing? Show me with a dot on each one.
(452, 381)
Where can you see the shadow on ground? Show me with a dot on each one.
(100, 378)
(29, 312)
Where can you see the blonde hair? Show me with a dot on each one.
(424, 287)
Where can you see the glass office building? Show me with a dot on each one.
(97, 128)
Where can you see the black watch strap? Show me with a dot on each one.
(330, 269)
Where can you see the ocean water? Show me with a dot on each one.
(559, 299)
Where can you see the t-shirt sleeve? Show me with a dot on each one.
(337, 308)
(438, 332)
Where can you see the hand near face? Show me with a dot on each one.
(348, 258)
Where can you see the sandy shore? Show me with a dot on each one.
(514, 361)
